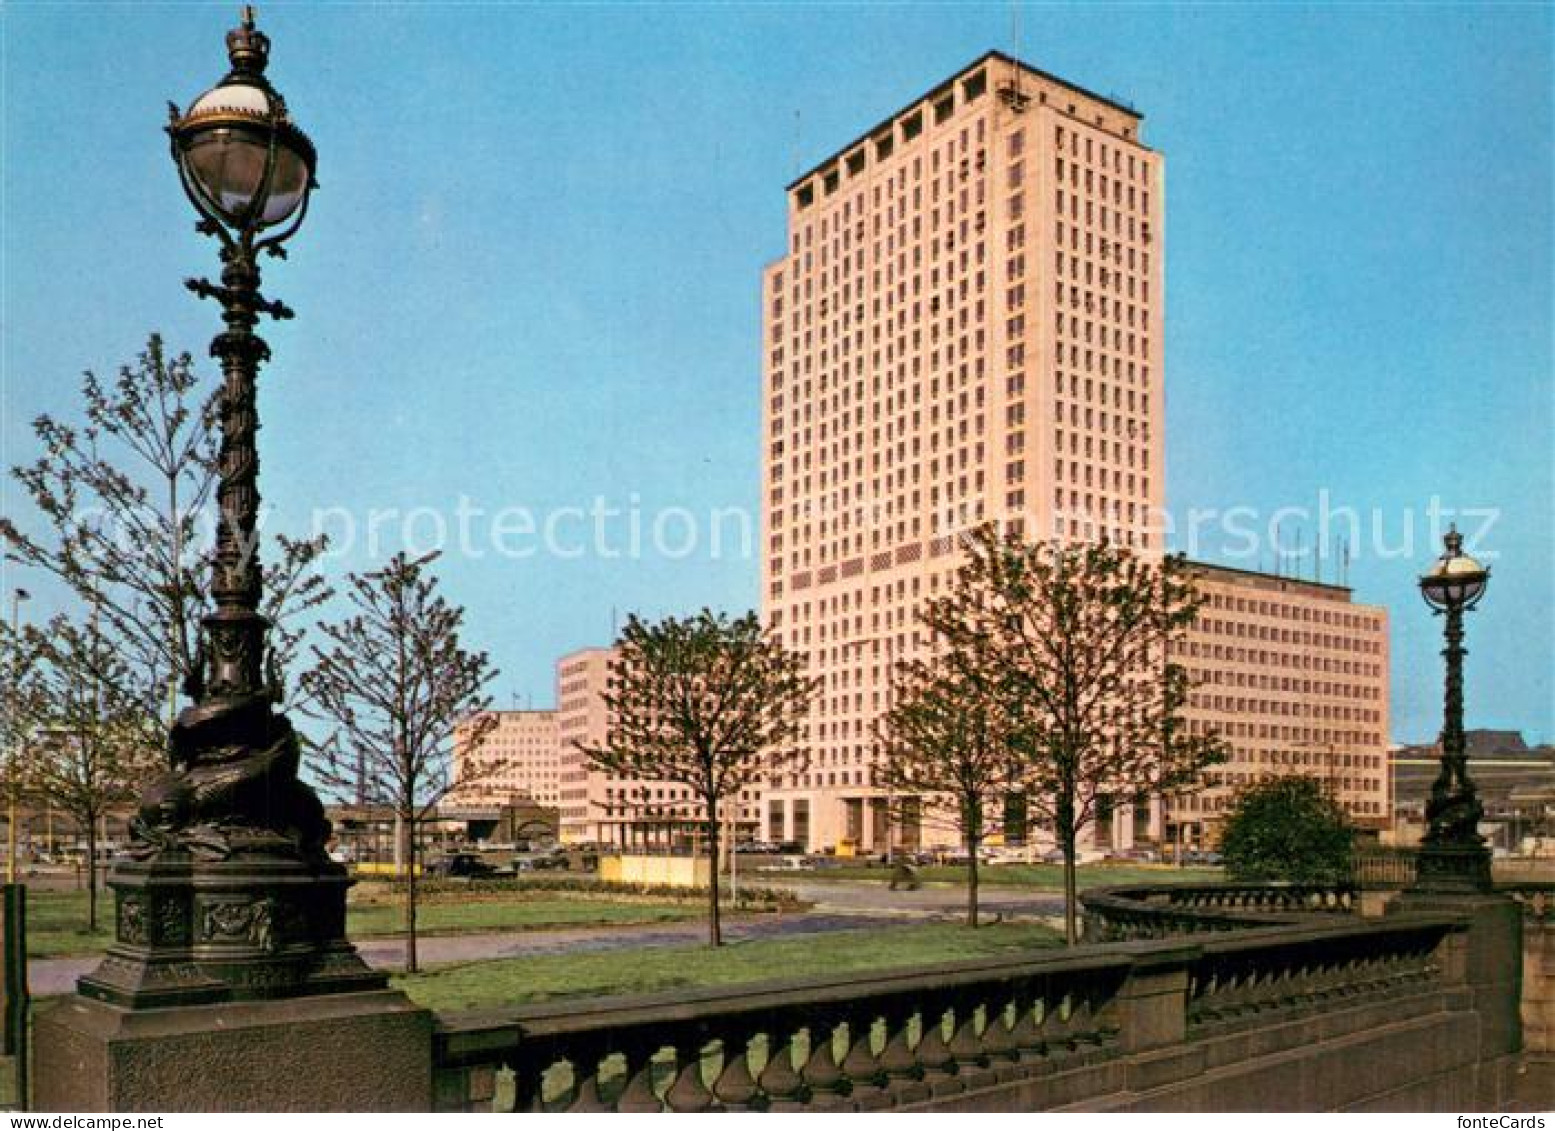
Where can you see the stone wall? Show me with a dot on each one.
(1323, 1013)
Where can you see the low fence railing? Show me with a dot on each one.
(1158, 911)
(1383, 868)
(906, 1038)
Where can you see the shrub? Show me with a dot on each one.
(1287, 828)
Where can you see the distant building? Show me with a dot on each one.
(1294, 676)
(1515, 782)
(605, 808)
(518, 757)
(965, 325)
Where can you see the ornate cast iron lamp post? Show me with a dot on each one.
(229, 894)
(1453, 856)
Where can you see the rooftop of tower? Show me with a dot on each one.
(1258, 579)
(948, 84)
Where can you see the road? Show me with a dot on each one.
(839, 906)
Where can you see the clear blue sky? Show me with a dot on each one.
(531, 275)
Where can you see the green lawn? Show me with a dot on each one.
(511, 981)
(56, 920)
(1049, 877)
(56, 923)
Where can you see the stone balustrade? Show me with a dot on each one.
(1153, 911)
(959, 1035)
(1312, 968)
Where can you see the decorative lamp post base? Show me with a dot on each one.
(1453, 868)
(193, 932)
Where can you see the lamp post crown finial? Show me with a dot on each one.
(247, 46)
(1453, 540)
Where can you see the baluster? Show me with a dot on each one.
(861, 1066)
(1203, 994)
(689, 1092)
(1239, 999)
(939, 1063)
(899, 1058)
(1084, 1027)
(968, 1044)
(735, 1087)
(1028, 1034)
(965, 1044)
(1286, 988)
(998, 1041)
(640, 1095)
(784, 1088)
(1056, 1027)
(821, 1073)
(587, 1095)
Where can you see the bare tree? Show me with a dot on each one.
(1077, 639)
(706, 702)
(394, 682)
(91, 740)
(946, 736)
(122, 500)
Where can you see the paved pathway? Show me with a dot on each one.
(839, 906)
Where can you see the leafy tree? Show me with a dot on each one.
(16, 664)
(706, 702)
(947, 734)
(91, 739)
(394, 681)
(1075, 639)
(1287, 828)
(123, 500)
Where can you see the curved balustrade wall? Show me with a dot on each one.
(1122, 1026)
(1155, 911)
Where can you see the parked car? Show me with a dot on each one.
(1138, 854)
(460, 864)
(795, 864)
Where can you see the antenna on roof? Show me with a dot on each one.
(798, 121)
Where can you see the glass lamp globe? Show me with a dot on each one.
(1456, 580)
(242, 158)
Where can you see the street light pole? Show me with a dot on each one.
(229, 893)
(1453, 855)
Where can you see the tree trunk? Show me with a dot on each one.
(408, 854)
(91, 873)
(1071, 933)
(714, 926)
(971, 887)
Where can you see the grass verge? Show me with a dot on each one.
(514, 981)
(1045, 877)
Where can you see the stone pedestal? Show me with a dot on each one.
(368, 1051)
(192, 932)
(1458, 868)
(230, 986)
(1490, 958)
